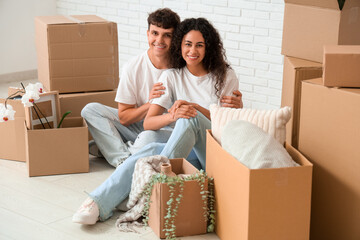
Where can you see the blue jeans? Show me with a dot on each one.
(115, 141)
(188, 134)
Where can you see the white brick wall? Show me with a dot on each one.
(251, 32)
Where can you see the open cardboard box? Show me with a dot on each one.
(77, 53)
(12, 140)
(59, 150)
(295, 71)
(308, 25)
(54, 150)
(190, 219)
(341, 66)
(259, 203)
(329, 137)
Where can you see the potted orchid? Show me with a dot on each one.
(29, 95)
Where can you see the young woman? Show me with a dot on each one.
(200, 77)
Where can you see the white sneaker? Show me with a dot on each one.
(88, 213)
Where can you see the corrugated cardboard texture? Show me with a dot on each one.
(329, 137)
(259, 203)
(58, 151)
(77, 53)
(12, 140)
(295, 71)
(308, 25)
(341, 66)
(190, 219)
(75, 102)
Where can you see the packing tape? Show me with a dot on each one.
(80, 23)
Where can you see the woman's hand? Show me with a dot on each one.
(233, 102)
(182, 109)
(156, 91)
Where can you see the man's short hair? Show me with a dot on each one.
(164, 18)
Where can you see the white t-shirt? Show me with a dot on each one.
(180, 84)
(137, 79)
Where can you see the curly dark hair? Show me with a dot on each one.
(215, 58)
(164, 18)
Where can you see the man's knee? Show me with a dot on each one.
(90, 109)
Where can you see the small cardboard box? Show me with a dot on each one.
(59, 150)
(295, 71)
(75, 102)
(259, 203)
(190, 219)
(308, 25)
(77, 53)
(341, 66)
(329, 136)
(12, 140)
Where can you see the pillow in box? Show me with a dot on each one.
(271, 121)
(253, 147)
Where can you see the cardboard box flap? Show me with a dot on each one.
(319, 81)
(299, 63)
(341, 49)
(332, 4)
(62, 19)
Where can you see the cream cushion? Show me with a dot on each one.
(253, 147)
(271, 121)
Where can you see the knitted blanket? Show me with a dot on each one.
(144, 169)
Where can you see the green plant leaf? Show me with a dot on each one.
(62, 119)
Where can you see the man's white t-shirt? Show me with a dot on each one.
(180, 84)
(137, 79)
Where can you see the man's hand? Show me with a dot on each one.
(156, 91)
(233, 102)
(182, 109)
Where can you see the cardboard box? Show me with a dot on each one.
(329, 136)
(77, 53)
(341, 66)
(75, 102)
(295, 71)
(308, 25)
(259, 203)
(190, 218)
(12, 140)
(59, 150)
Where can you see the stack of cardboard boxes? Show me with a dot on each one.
(77, 64)
(325, 124)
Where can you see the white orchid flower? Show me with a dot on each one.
(37, 87)
(6, 113)
(29, 97)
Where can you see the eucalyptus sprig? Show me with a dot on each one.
(174, 201)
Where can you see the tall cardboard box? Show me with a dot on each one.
(190, 217)
(12, 140)
(77, 53)
(295, 71)
(308, 25)
(329, 136)
(257, 204)
(59, 150)
(341, 66)
(75, 102)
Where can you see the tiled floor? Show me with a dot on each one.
(41, 207)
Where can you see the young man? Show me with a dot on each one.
(115, 130)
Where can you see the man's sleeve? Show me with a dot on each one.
(126, 92)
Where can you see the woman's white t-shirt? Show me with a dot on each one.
(180, 84)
